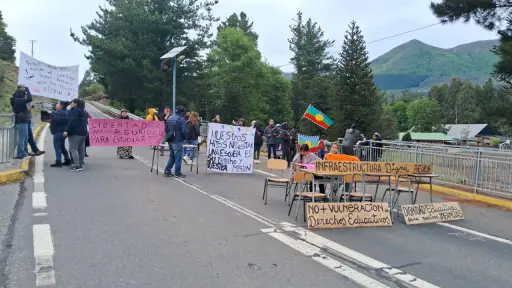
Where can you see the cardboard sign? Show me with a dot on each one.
(230, 148)
(47, 80)
(348, 215)
(121, 132)
(432, 213)
(396, 168)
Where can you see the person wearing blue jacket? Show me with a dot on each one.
(76, 130)
(175, 133)
(58, 122)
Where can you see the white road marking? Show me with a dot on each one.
(39, 200)
(42, 236)
(322, 242)
(316, 254)
(43, 254)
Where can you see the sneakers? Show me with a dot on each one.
(187, 160)
(179, 175)
(168, 174)
(77, 168)
(131, 157)
(257, 161)
(67, 162)
(57, 164)
(39, 153)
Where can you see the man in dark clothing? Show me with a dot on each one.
(58, 123)
(285, 137)
(76, 130)
(31, 141)
(258, 140)
(175, 134)
(271, 139)
(352, 136)
(19, 102)
(293, 142)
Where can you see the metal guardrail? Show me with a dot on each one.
(8, 137)
(478, 170)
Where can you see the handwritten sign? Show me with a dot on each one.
(344, 167)
(47, 80)
(348, 215)
(120, 132)
(230, 148)
(432, 213)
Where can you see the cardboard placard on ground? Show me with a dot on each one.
(396, 168)
(432, 213)
(348, 215)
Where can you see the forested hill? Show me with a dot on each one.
(416, 65)
(419, 65)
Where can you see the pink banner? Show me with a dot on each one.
(121, 132)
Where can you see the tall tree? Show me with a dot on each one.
(127, 40)
(241, 22)
(310, 59)
(7, 43)
(355, 98)
(87, 80)
(277, 91)
(424, 115)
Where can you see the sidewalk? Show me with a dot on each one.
(16, 170)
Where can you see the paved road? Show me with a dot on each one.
(117, 225)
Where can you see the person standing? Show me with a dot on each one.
(58, 122)
(285, 137)
(271, 139)
(258, 141)
(30, 134)
(163, 118)
(19, 102)
(216, 119)
(76, 130)
(175, 134)
(352, 136)
(192, 136)
(124, 151)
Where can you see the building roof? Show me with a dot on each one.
(420, 136)
(457, 131)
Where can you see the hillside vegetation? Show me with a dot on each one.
(8, 82)
(419, 65)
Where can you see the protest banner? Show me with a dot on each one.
(348, 215)
(355, 167)
(47, 80)
(121, 132)
(230, 149)
(431, 213)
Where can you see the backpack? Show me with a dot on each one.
(321, 145)
(170, 128)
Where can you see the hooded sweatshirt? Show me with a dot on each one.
(151, 114)
(19, 106)
(351, 137)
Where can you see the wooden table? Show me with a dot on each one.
(417, 179)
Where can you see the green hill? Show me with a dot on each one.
(416, 65)
(8, 82)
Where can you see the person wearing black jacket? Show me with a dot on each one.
(258, 140)
(58, 122)
(76, 130)
(193, 134)
(285, 137)
(19, 102)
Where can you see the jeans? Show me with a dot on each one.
(22, 140)
(31, 140)
(77, 149)
(257, 149)
(270, 148)
(60, 147)
(191, 152)
(175, 157)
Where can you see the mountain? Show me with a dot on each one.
(416, 65)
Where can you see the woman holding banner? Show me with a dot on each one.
(124, 151)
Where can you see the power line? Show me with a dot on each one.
(381, 39)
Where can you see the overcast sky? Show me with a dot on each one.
(48, 22)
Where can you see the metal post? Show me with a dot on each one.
(174, 85)
(477, 172)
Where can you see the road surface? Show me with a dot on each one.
(115, 224)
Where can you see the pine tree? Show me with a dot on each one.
(310, 59)
(241, 22)
(7, 43)
(354, 98)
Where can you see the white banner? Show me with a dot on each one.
(230, 149)
(47, 80)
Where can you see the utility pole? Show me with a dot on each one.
(32, 43)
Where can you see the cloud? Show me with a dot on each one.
(49, 21)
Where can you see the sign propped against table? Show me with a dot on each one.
(348, 215)
(432, 213)
(230, 149)
(396, 168)
(47, 80)
(120, 132)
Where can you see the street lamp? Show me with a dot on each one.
(171, 55)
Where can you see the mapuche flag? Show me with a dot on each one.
(317, 117)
